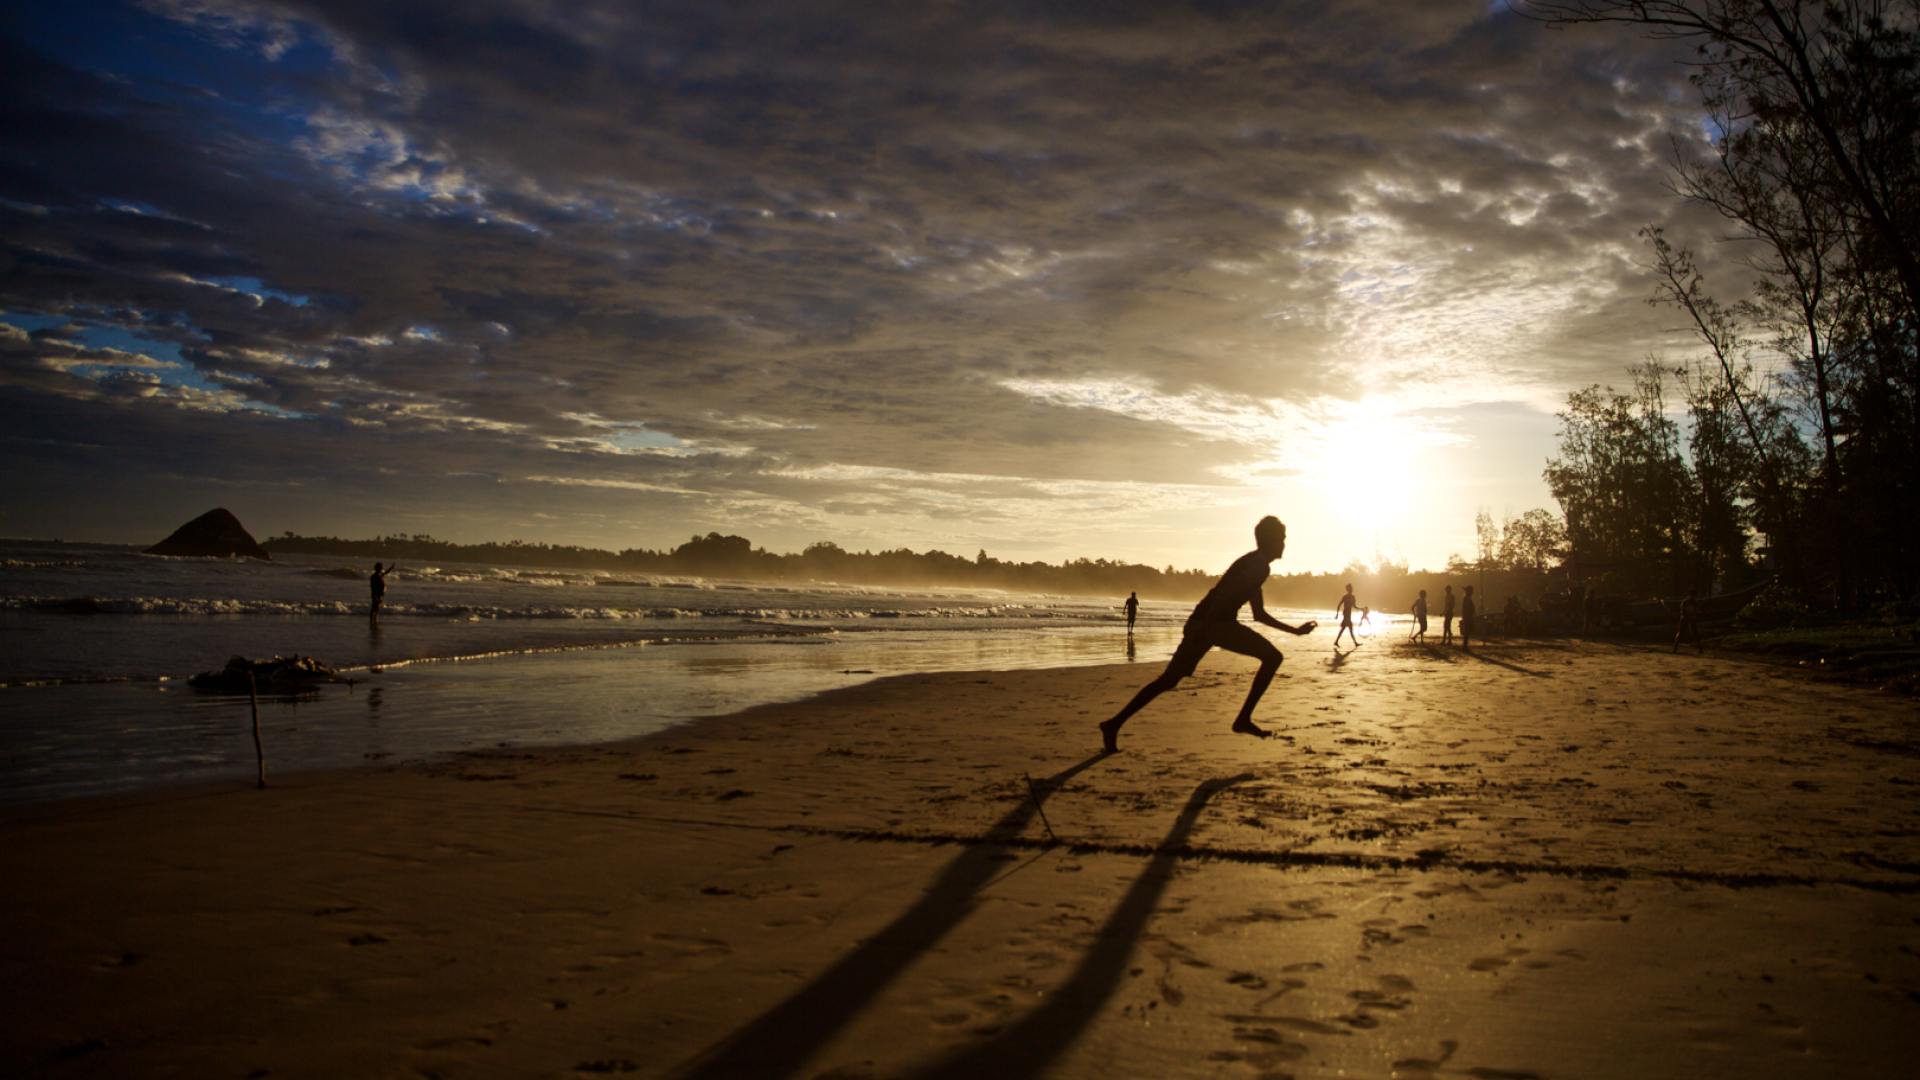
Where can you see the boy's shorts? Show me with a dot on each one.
(1201, 636)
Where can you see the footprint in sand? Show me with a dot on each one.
(692, 952)
(1269, 1047)
(1495, 963)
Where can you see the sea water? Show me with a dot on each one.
(97, 642)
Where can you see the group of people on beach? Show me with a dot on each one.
(1468, 609)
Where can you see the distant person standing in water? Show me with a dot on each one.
(1345, 610)
(1133, 609)
(1446, 617)
(1419, 618)
(377, 582)
(1466, 620)
(1215, 622)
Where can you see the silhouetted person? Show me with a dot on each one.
(377, 582)
(1133, 609)
(1345, 610)
(1446, 617)
(1466, 620)
(1689, 621)
(1215, 622)
(1419, 618)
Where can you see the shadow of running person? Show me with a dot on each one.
(1485, 659)
(1030, 1046)
(781, 1040)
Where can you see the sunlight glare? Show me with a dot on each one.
(1369, 467)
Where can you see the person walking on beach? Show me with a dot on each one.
(1689, 621)
(377, 582)
(1215, 622)
(1345, 610)
(1446, 617)
(1133, 609)
(1466, 620)
(1419, 618)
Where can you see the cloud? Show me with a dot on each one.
(1073, 250)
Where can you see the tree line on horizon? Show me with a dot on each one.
(728, 556)
(1803, 405)
(1383, 586)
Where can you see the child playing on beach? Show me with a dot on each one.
(1216, 622)
(1345, 610)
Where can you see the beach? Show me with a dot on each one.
(1547, 859)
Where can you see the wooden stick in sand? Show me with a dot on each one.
(259, 752)
(1040, 806)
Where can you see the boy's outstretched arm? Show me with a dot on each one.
(1260, 616)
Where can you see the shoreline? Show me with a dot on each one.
(1557, 860)
(75, 739)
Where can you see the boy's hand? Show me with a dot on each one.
(1306, 627)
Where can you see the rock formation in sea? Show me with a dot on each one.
(214, 534)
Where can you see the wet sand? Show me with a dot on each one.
(1547, 860)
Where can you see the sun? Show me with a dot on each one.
(1369, 471)
(1374, 480)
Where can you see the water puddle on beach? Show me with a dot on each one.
(85, 739)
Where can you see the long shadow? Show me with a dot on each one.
(1029, 1047)
(1485, 659)
(781, 1040)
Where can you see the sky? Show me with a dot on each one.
(1048, 280)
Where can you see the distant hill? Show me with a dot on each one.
(216, 534)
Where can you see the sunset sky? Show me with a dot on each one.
(1052, 280)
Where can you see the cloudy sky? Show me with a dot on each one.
(1052, 280)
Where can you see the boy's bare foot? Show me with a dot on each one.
(1109, 736)
(1246, 727)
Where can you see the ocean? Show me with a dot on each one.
(97, 642)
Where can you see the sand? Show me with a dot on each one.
(1547, 860)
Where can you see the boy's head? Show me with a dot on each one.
(1270, 535)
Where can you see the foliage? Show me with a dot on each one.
(1777, 606)
(1817, 166)
(1535, 541)
(1875, 652)
(1627, 494)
